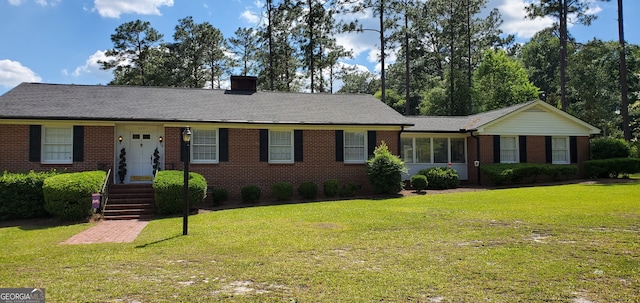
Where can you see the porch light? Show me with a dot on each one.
(186, 137)
(160, 139)
(120, 139)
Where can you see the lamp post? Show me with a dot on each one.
(186, 137)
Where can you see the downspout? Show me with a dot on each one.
(400, 140)
(477, 153)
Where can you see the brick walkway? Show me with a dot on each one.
(116, 231)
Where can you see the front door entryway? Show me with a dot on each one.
(143, 147)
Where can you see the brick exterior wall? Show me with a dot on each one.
(98, 150)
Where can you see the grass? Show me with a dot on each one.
(570, 243)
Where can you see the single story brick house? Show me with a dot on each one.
(246, 137)
(531, 132)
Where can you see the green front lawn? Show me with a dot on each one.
(571, 243)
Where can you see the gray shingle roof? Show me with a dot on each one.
(134, 103)
(451, 124)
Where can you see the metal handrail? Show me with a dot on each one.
(104, 191)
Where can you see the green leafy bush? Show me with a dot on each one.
(219, 195)
(505, 173)
(419, 182)
(441, 177)
(609, 148)
(308, 190)
(349, 190)
(282, 190)
(331, 188)
(21, 195)
(168, 191)
(612, 168)
(68, 196)
(385, 170)
(250, 193)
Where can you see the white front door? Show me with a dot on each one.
(140, 143)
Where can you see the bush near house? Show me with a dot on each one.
(612, 168)
(419, 182)
(508, 173)
(282, 190)
(219, 196)
(349, 190)
(168, 191)
(441, 178)
(331, 188)
(609, 148)
(308, 190)
(250, 193)
(21, 195)
(68, 196)
(385, 170)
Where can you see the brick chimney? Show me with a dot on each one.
(244, 84)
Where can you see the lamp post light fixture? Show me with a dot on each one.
(186, 138)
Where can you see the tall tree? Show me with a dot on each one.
(133, 50)
(541, 59)
(560, 10)
(624, 86)
(244, 46)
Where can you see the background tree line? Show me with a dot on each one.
(452, 58)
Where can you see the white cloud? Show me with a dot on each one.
(48, 2)
(114, 8)
(13, 73)
(516, 21)
(15, 2)
(92, 68)
(250, 17)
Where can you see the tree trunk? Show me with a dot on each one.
(624, 87)
(563, 55)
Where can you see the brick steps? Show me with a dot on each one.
(129, 201)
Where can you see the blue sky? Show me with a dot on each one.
(60, 41)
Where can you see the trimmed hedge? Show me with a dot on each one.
(419, 182)
(504, 173)
(68, 196)
(250, 193)
(331, 188)
(21, 195)
(308, 190)
(441, 177)
(609, 148)
(349, 190)
(219, 196)
(385, 170)
(282, 190)
(168, 191)
(612, 168)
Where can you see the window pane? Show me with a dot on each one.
(280, 146)
(559, 150)
(423, 150)
(508, 150)
(354, 146)
(407, 149)
(204, 145)
(457, 150)
(57, 145)
(440, 150)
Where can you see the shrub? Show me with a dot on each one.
(282, 191)
(612, 167)
(349, 190)
(21, 195)
(441, 177)
(504, 173)
(635, 150)
(219, 195)
(331, 188)
(308, 190)
(609, 148)
(250, 193)
(168, 191)
(385, 170)
(419, 182)
(68, 196)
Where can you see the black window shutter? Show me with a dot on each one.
(548, 149)
(264, 145)
(298, 146)
(35, 135)
(523, 149)
(573, 149)
(223, 147)
(496, 149)
(339, 146)
(183, 146)
(78, 143)
(371, 142)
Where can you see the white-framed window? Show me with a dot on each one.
(458, 150)
(441, 150)
(427, 150)
(423, 150)
(560, 150)
(355, 147)
(407, 149)
(280, 146)
(57, 145)
(204, 146)
(509, 149)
